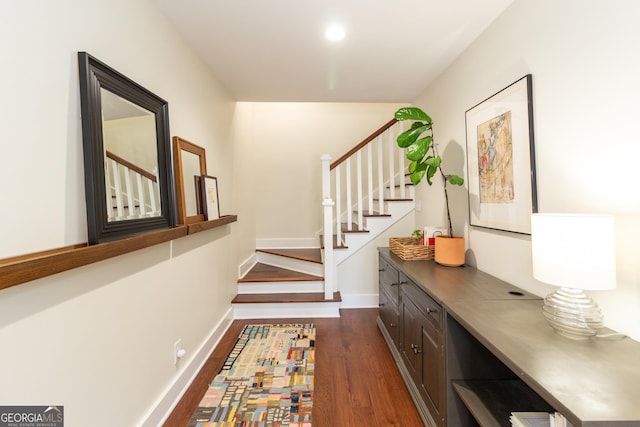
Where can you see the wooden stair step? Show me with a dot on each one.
(354, 228)
(374, 214)
(394, 200)
(269, 273)
(284, 298)
(303, 254)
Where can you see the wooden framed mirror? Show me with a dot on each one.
(127, 163)
(190, 165)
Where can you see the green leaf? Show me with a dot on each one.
(455, 180)
(412, 167)
(433, 162)
(412, 113)
(417, 175)
(431, 171)
(418, 149)
(410, 136)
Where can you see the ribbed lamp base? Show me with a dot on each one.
(571, 313)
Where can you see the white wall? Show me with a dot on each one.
(583, 55)
(99, 339)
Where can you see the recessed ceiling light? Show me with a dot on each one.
(334, 33)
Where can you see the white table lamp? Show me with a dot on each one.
(576, 253)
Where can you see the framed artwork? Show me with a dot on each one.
(209, 195)
(501, 160)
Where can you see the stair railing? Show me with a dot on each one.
(133, 190)
(385, 166)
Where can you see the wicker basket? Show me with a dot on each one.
(410, 249)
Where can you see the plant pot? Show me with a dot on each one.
(449, 251)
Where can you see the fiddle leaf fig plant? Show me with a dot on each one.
(421, 150)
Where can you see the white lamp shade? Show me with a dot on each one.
(574, 251)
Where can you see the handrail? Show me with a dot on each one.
(131, 166)
(367, 140)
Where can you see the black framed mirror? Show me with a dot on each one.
(127, 154)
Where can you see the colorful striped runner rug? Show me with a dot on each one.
(266, 381)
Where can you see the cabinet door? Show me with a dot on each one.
(389, 315)
(410, 339)
(432, 387)
(388, 277)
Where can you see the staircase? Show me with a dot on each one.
(133, 191)
(303, 282)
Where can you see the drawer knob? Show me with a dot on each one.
(392, 325)
(381, 304)
(394, 284)
(380, 270)
(415, 348)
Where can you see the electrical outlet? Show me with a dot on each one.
(177, 349)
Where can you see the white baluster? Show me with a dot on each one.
(401, 163)
(359, 189)
(338, 206)
(349, 202)
(152, 197)
(392, 173)
(130, 201)
(117, 188)
(140, 189)
(370, 177)
(380, 176)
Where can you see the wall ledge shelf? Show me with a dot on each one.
(25, 268)
(208, 225)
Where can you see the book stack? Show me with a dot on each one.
(538, 419)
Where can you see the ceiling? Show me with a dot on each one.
(275, 50)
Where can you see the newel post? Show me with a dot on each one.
(327, 227)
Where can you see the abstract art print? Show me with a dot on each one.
(501, 161)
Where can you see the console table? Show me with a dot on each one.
(473, 348)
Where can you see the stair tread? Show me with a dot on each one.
(304, 254)
(284, 298)
(392, 199)
(373, 214)
(354, 228)
(269, 273)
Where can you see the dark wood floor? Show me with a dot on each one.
(356, 379)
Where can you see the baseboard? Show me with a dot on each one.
(359, 301)
(247, 265)
(288, 243)
(162, 408)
